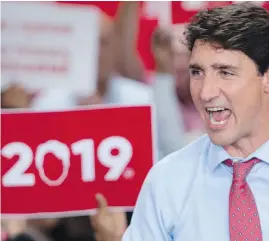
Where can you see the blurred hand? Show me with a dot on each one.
(15, 96)
(162, 50)
(95, 99)
(108, 226)
(14, 227)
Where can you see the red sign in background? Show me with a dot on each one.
(180, 12)
(110, 152)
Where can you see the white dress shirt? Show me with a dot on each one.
(185, 196)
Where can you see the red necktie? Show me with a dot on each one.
(244, 217)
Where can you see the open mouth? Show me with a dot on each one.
(218, 116)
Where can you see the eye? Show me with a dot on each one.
(225, 73)
(195, 72)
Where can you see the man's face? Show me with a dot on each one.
(228, 92)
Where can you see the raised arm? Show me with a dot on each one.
(128, 60)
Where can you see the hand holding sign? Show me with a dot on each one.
(108, 226)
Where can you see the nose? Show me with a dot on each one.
(210, 90)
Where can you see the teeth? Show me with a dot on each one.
(215, 109)
(212, 120)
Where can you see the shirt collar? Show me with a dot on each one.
(217, 155)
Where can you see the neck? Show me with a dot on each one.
(244, 147)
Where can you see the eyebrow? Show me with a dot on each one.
(195, 66)
(214, 66)
(224, 66)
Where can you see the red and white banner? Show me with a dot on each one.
(53, 163)
(154, 13)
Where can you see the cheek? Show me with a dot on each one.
(245, 99)
(245, 109)
(251, 100)
(195, 89)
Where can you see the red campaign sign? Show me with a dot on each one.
(55, 162)
(180, 12)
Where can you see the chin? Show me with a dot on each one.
(221, 138)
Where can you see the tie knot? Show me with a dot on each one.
(241, 169)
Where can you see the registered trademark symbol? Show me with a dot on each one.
(129, 173)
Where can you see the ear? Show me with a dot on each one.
(266, 81)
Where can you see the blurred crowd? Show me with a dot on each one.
(178, 123)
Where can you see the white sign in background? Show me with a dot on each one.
(45, 45)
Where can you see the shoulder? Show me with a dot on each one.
(170, 180)
(187, 155)
(181, 162)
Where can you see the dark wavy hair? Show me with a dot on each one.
(243, 27)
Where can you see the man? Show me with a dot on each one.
(217, 188)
